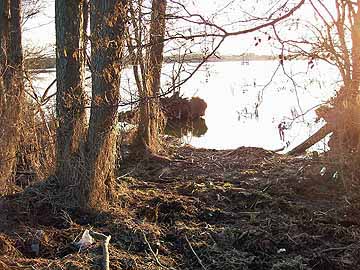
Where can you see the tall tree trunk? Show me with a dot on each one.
(356, 78)
(70, 96)
(107, 35)
(150, 112)
(355, 37)
(11, 88)
(347, 131)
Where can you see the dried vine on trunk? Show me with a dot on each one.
(11, 88)
(70, 97)
(107, 35)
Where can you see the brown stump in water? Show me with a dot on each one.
(176, 107)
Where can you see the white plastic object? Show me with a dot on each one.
(323, 171)
(86, 240)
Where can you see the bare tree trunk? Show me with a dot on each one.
(150, 112)
(7, 162)
(355, 36)
(107, 35)
(355, 112)
(347, 131)
(11, 88)
(70, 97)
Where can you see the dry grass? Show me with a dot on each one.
(36, 152)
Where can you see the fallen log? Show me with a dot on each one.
(319, 135)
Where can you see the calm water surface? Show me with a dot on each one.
(233, 90)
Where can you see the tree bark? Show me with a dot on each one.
(346, 136)
(355, 37)
(70, 96)
(107, 35)
(11, 88)
(150, 112)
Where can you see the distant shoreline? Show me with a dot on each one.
(50, 62)
(193, 58)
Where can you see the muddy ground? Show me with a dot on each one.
(203, 209)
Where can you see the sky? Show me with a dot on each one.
(40, 31)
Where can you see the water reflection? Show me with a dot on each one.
(179, 129)
(233, 93)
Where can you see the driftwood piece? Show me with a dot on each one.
(319, 135)
(105, 245)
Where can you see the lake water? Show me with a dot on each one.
(232, 91)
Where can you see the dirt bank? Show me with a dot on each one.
(205, 209)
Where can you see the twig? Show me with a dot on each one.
(152, 252)
(193, 251)
(337, 248)
(105, 245)
(248, 213)
(130, 172)
(347, 201)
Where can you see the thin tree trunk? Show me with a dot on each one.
(354, 125)
(7, 162)
(107, 34)
(11, 88)
(70, 96)
(150, 111)
(355, 74)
